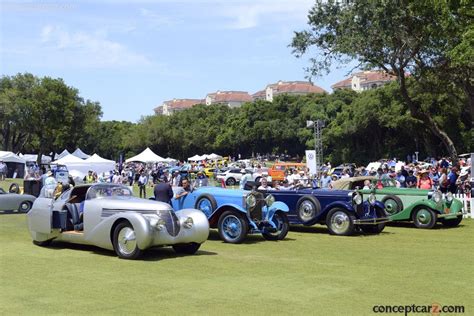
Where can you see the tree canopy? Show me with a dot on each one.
(424, 43)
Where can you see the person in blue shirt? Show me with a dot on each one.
(452, 177)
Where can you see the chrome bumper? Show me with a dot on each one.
(372, 221)
(451, 214)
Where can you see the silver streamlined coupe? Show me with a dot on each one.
(15, 201)
(108, 216)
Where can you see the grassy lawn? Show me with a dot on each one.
(310, 272)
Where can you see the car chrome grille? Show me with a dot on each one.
(256, 213)
(172, 222)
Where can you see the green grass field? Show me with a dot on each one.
(310, 272)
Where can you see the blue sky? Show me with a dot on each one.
(132, 55)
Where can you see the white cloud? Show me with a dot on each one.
(87, 49)
(246, 14)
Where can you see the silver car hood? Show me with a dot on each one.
(131, 204)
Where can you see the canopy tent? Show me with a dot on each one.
(196, 158)
(8, 156)
(79, 168)
(169, 159)
(15, 164)
(146, 156)
(80, 154)
(214, 156)
(30, 157)
(62, 155)
(99, 164)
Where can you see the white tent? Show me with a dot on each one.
(80, 154)
(214, 156)
(146, 156)
(62, 155)
(79, 167)
(30, 157)
(8, 156)
(169, 159)
(99, 164)
(195, 158)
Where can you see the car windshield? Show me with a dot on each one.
(107, 190)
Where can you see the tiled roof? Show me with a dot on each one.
(230, 96)
(295, 87)
(366, 77)
(259, 94)
(182, 103)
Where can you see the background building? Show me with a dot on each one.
(230, 98)
(288, 87)
(175, 105)
(364, 80)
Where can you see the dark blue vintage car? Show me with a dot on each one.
(342, 211)
(236, 213)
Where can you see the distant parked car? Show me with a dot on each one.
(231, 176)
(236, 213)
(342, 211)
(350, 167)
(423, 207)
(279, 169)
(108, 216)
(15, 202)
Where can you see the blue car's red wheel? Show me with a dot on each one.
(233, 227)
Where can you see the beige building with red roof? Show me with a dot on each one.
(176, 105)
(287, 87)
(364, 80)
(230, 98)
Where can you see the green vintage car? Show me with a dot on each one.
(423, 207)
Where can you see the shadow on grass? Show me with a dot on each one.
(250, 239)
(325, 231)
(410, 225)
(10, 212)
(151, 254)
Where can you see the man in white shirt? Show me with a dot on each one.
(142, 182)
(245, 177)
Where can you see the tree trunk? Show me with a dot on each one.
(427, 119)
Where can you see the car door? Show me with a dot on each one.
(41, 215)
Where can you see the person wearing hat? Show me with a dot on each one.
(176, 179)
(244, 179)
(201, 179)
(424, 182)
(162, 190)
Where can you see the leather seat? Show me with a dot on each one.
(75, 220)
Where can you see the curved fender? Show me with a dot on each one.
(200, 230)
(100, 235)
(345, 205)
(280, 206)
(228, 205)
(277, 206)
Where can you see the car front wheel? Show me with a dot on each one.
(340, 222)
(188, 249)
(232, 227)
(125, 241)
(424, 218)
(282, 226)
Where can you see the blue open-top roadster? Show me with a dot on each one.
(342, 211)
(236, 213)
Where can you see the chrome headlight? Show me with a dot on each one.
(157, 222)
(449, 197)
(437, 196)
(372, 199)
(251, 200)
(269, 200)
(357, 199)
(188, 223)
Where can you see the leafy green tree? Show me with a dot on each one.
(405, 38)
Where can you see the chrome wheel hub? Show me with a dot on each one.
(306, 210)
(127, 241)
(423, 216)
(340, 222)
